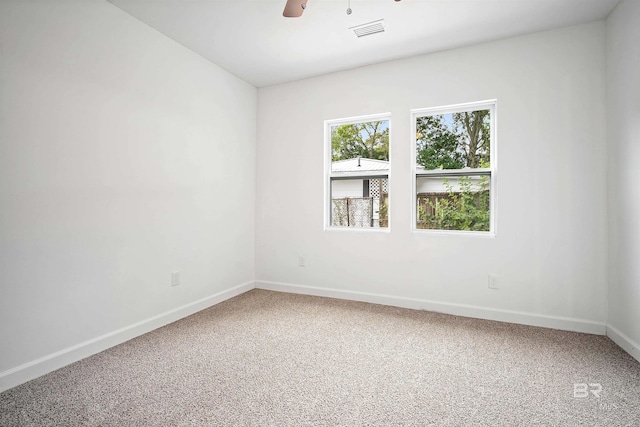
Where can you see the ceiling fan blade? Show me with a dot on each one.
(294, 8)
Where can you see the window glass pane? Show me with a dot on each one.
(454, 140)
(359, 174)
(453, 203)
(360, 147)
(360, 203)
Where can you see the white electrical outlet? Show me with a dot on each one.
(175, 278)
(493, 282)
(301, 261)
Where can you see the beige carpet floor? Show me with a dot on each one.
(275, 359)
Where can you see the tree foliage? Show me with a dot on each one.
(463, 141)
(474, 136)
(463, 209)
(437, 145)
(455, 141)
(368, 140)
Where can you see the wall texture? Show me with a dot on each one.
(550, 251)
(623, 90)
(123, 157)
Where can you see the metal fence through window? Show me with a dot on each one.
(354, 212)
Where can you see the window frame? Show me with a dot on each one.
(492, 106)
(329, 176)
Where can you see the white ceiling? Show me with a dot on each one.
(251, 38)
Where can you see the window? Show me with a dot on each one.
(357, 172)
(455, 168)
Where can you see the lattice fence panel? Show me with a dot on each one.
(378, 187)
(374, 188)
(385, 186)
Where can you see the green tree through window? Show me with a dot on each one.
(453, 141)
(368, 140)
(453, 177)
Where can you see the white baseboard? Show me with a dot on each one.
(545, 321)
(626, 343)
(49, 363)
(59, 359)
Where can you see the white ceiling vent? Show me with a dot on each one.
(368, 28)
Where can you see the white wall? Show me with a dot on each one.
(346, 188)
(550, 253)
(623, 89)
(123, 157)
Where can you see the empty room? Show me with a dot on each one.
(319, 212)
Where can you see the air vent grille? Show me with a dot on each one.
(369, 28)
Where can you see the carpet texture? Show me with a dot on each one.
(275, 359)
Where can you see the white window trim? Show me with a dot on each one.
(328, 124)
(492, 105)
